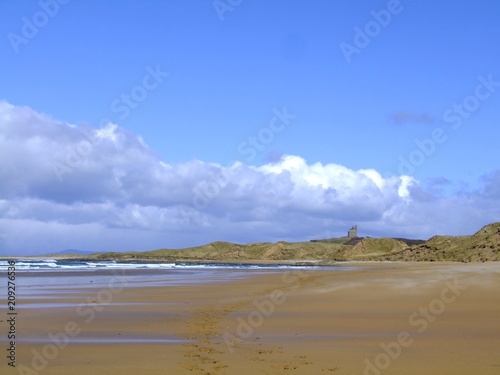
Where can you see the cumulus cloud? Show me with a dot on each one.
(103, 189)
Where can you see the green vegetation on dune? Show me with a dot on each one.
(370, 248)
(339, 241)
(482, 246)
(223, 251)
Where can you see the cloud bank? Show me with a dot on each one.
(103, 189)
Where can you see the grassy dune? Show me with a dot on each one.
(482, 246)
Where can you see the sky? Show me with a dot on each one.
(137, 125)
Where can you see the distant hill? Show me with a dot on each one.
(482, 246)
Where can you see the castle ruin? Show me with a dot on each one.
(353, 232)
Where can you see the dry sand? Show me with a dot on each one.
(447, 318)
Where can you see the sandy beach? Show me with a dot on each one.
(391, 318)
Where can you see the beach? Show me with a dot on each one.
(380, 318)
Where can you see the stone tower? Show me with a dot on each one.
(353, 232)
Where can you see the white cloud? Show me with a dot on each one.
(66, 186)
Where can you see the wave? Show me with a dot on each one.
(54, 265)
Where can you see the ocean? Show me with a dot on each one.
(55, 287)
(44, 278)
(75, 265)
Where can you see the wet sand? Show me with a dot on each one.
(387, 319)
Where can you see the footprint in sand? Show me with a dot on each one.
(265, 352)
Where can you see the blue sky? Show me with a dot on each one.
(424, 73)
